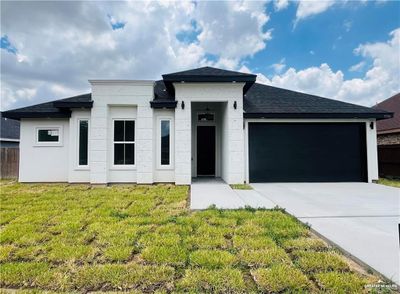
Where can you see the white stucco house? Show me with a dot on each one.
(200, 122)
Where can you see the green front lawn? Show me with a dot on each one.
(144, 238)
(389, 182)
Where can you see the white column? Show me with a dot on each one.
(144, 144)
(98, 144)
(372, 151)
(235, 142)
(183, 146)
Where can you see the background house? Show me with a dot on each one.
(9, 148)
(388, 132)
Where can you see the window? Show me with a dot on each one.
(124, 142)
(48, 135)
(83, 142)
(165, 142)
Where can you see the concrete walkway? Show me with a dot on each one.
(361, 218)
(210, 191)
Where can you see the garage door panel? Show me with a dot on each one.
(307, 152)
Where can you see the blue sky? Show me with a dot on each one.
(331, 36)
(345, 50)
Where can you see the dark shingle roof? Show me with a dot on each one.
(391, 104)
(162, 97)
(267, 101)
(209, 71)
(209, 74)
(9, 128)
(55, 109)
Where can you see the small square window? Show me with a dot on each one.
(48, 135)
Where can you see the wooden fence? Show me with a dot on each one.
(389, 160)
(9, 163)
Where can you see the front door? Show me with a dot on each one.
(206, 150)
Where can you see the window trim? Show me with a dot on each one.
(171, 143)
(48, 143)
(78, 166)
(122, 166)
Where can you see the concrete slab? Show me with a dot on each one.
(254, 199)
(205, 192)
(361, 218)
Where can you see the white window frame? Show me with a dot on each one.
(123, 166)
(171, 142)
(49, 144)
(78, 166)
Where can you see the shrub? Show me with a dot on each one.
(264, 257)
(311, 262)
(212, 281)
(279, 278)
(212, 258)
(334, 282)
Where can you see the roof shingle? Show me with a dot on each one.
(391, 104)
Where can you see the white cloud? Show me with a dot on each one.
(281, 4)
(63, 44)
(307, 8)
(357, 67)
(379, 82)
(280, 66)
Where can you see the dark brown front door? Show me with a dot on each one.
(206, 150)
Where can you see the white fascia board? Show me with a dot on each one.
(121, 82)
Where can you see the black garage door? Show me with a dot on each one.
(307, 152)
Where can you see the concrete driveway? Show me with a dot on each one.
(361, 218)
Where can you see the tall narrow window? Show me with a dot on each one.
(165, 142)
(83, 141)
(124, 142)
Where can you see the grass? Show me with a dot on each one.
(279, 278)
(389, 182)
(241, 187)
(143, 238)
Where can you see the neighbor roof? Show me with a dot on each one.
(271, 102)
(391, 104)
(53, 109)
(9, 128)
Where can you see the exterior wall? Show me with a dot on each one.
(233, 143)
(129, 94)
(389, 139)
(372, 153)
(41, 162)
(163, 174)
(76, 173)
